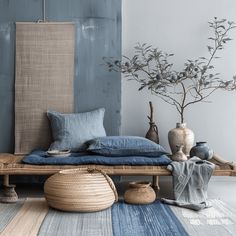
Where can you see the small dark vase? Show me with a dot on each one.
(152, 133)
(202, 151)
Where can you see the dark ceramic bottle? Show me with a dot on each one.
(152, 133)
(202, 151)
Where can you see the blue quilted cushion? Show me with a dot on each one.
(125, 146)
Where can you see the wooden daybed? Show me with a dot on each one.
(11, 165)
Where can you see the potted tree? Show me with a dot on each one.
(150, 67)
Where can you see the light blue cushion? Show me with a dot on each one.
(125, 146)
(71, 131)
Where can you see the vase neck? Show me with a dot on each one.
(201, 143)
(181, 125)
(180, 148)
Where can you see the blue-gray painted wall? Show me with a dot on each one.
(98, 35)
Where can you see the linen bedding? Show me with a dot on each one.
(39, 157)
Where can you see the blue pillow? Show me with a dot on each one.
(125, 146)
(71, 131)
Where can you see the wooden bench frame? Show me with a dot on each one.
(11, 165)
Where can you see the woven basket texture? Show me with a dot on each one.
(80, 190)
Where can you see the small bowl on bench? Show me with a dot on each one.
(59, 153)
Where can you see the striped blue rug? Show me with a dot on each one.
(32, 217)
(155, 219)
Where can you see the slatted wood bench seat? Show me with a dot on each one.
(11, 165)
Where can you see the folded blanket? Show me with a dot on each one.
(39, 157)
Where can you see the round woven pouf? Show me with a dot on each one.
(80, 190)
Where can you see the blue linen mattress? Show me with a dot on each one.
(39, 157)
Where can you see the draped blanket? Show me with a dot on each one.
(44, 80)
(190, 183)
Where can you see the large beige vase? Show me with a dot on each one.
(181, 135)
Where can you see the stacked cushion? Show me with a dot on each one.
(125, 146)
(80, 132)
(71, 131)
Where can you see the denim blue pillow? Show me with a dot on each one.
(125, 146)
(71, 131)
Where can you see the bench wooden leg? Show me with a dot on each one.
(5, 180)
(155, 182)
(9, 193)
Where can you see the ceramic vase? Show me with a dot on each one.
(152, 133)
(139, 193)
(202, 151)
(181, 135)
(179, 155)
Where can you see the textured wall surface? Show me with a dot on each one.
(98, 34)
(180, 27)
